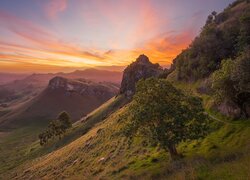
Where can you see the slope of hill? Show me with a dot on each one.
(77, 97)
(105, 153)
(96, 147)
(220, 58)
(224, 36)
(24, 139)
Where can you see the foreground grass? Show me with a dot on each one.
(21, 145)
(96, 149)
(15, 146)
(104, 152)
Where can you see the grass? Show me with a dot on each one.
(105, 153)
(21, 145)
(15, 146)
(96, 149)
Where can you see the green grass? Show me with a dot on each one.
(95, 149)
(22, 145)
(14, 146)
(213, 157)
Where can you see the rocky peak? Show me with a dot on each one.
(57, 82)
(142, 59)
(141, 68)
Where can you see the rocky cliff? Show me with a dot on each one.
(83, 87)
(141, 68)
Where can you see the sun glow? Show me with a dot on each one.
(64, 34)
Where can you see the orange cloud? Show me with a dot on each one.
(54, 7)
(39, 46)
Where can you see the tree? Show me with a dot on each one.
(56, 128)
(65, 119)
(232, 82)
(222, 83)
(165, 114)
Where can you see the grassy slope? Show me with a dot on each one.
(21, 145)
(104, 153)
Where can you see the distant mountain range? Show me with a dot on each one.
(23, 86)
(77, 97)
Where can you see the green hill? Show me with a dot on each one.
(225, 35)
(96, 147)
(105, 153)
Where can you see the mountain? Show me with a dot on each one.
(225, 35)
(142, 68)
(77, 97)
(28, 86)
(96, 147)
(220, 58)
(97, 75)
(9, 77)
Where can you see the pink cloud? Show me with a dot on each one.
(13, 22)
(54, 7)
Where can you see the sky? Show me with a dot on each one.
(65, 35)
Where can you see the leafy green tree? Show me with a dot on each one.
(244, 35)
(56, 128)
(64, 118)
(222, 82)
(165, 114)
(241, 72)
(42, 138)
(232, 82)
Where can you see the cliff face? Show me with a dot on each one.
(82, 87)
(142, 68)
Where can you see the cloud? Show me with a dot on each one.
(37, 39)
(55, 7)
(125, 29)
(14, 22)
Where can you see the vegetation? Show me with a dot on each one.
(224, 36)
(232, 82)
(167, 115)
(160, 118)
(56, 128)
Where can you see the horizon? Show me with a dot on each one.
(62, 36)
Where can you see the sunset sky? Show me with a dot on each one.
(64, 35)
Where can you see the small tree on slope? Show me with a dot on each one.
(64, 118)
(162, 112)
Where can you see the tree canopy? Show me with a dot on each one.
(232, 81)
(162, 112)
(56, 128)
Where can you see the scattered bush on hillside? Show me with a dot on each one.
(165, 114)
(232, 82)
(56, 128)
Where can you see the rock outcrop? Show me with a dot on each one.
(82, 86)
(142, 68)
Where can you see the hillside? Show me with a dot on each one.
(222, 154)
(206, 97)
(220, 58)
(77, 97)
(225, 35)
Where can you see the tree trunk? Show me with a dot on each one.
(173, 152)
